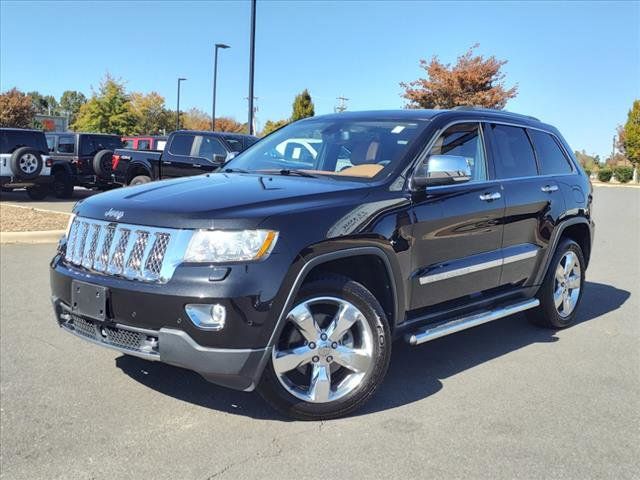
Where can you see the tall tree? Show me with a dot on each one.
(108, 111)
(195, 119)
(151, 115)
(630, 135)
(228, 124)
(474, 80)
(302, 106)
(271, 125)
(44, 104)
(16, 109)
(70, 103)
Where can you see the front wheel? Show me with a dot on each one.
(332, 353)
(562, 288)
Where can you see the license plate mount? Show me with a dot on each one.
(89, 300)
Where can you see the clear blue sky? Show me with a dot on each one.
(577, 64)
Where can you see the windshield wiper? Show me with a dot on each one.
(235, 170)
(300, 173)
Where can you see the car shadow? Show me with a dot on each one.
(20, 196)
(414, 373)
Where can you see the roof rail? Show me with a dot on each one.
(494, 110)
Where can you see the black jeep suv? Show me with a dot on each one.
(82, 159)
(292, 273)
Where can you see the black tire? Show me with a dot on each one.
(271, 388)
(547, 314)
(26, 163)
(102, 164)
(62, 186)
(139, 180)
(37, 192)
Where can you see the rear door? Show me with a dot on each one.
(458, 228)
(534, 203)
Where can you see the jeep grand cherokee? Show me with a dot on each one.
(291, 273)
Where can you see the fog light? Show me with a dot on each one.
(208, 317)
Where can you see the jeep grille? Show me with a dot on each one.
(134, 252)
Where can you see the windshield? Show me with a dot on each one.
(360, 149)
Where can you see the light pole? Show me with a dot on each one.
(178, 105)
(215, 78)
(252, 49)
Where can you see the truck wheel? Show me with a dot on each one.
(102, 164)
(37, 192)
(26, 163)
(332, 353)
(62, 185)
(139, 180)
(561, 290)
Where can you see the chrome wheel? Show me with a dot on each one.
(324, 351)
(566, 290)
(28, 163)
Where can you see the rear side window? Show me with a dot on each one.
(552, 160)
(181, 145)
(144, 145)
(90, 145)
(515, 156)
(209, 147)
(66, 144)
(11, 140)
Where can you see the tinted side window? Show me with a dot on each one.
(515, 154)
(51, 142)
(552, 160)
(90, 145)
(181, 145)
(464, 140)
(66, 144)
(14, 139)
(144, 145)
(209, 147)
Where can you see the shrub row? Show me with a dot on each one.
(623, 174)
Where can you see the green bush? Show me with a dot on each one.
(588, 171)
(604, 175)
(623, 174)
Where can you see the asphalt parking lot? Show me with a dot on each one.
(19, 197)
(504, 400)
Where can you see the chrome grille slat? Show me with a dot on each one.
(135, 252)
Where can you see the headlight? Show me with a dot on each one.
(230, 246)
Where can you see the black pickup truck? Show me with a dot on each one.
(187, 152)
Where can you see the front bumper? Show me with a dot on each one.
(239, 369)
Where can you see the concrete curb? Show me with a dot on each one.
(45, 236)
(44, 210)
(615, 185)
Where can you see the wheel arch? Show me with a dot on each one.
(138, 168)
(577, 229)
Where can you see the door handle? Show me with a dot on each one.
(197, 165)
(166, 163)
(488, 197)
(549, 188)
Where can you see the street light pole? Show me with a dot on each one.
(251, 62)
(178, 105)
(215, 78)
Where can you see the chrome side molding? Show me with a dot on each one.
(431, 332)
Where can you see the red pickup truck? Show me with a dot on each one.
(145, 143)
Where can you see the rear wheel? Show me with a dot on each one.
(62, 185)
(561, 291)
(332, 353)
(139, 180)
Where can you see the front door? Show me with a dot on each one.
(458, 228)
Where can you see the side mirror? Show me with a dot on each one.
(442, 170)
(217, 158)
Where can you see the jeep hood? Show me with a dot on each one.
(219, 200)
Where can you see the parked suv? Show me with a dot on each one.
(188, 152)
(82, 159)
(293, 274)
(24, 162)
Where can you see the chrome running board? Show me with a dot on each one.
(431, 332)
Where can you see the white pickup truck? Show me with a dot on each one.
(24, 162)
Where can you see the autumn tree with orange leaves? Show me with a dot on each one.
(474, 81)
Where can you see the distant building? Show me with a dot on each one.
(52, 123)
